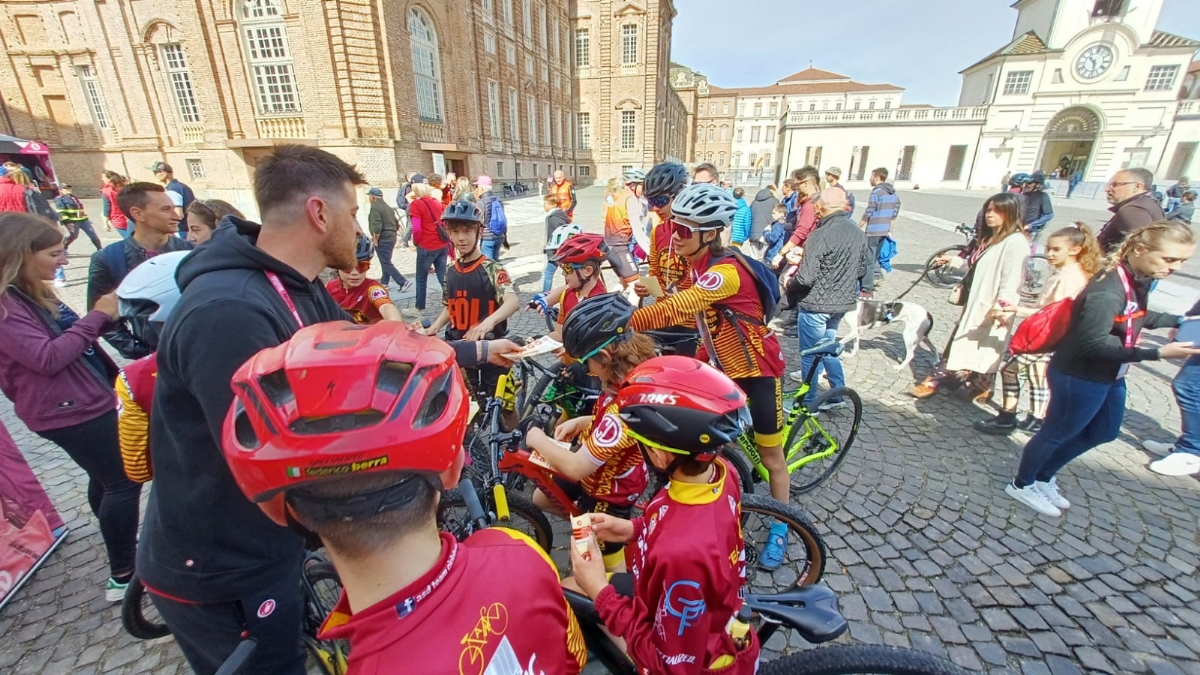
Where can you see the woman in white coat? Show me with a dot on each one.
(997, 262)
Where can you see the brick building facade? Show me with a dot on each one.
(487, 86)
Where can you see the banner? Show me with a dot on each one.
(30, 528)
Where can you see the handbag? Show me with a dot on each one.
(1043, 330)
(958, 294)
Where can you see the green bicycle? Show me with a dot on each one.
(817, 438)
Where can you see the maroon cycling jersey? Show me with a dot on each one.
(492, 604)
(688, 569)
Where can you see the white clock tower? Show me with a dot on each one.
(1086, 85)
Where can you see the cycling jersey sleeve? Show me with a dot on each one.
(652, 255)
(133, 431)
(606, 440)
(718, 283)
(377, 295)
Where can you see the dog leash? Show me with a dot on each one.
(920, 278)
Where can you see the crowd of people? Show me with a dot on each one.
(344, 421)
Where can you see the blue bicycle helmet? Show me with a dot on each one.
(462, 212)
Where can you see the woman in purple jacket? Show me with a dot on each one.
(61, 382)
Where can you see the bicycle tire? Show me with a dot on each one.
(734, 455)
(452, 510)
(534, 396)
(937, 274)
(803, 481)
(133, 613)
(758, 513)
(321, 591)
(1037, 272)
(479, 452)
(854, 659)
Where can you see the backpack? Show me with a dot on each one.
(36, 204)
(498, 224)
(765, 283)
(114, 257)
(1042, 331)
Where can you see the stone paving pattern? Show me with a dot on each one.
(926, 549)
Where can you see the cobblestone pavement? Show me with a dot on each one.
(926, 550)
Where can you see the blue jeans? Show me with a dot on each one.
(1082, 415)
(813, 328)
(548, 276)
(427, 258)
(1187, 394)
(1172, 202)
(491, 248)
(384, 251)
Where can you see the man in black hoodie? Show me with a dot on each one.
(760, 218)
(217, 568)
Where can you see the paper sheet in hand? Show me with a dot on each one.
(542, 345)
(653, 286)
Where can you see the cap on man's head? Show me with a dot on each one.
(484, 181)
(418, 178)
(375, 192)
(834, 171)
(161, 166)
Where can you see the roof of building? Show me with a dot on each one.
(1195, 67)
(811, 74)
(1026, 44)
(1163, 39)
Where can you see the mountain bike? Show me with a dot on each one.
(817, 437)
(942, 274)
(321, 589)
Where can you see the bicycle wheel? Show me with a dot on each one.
(138, 615)
(804, 557)
(322, 588)
(944, 276)
(733, 454)
(855, 659)
(478, 450)
(1037, 272)
(524, 517)
(830, 431)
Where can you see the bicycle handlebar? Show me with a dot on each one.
(475, 513)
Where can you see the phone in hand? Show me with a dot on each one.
(1189, 330)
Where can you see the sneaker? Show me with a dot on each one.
(1177, 464)
(1158, 448)
(1050, 491)
(1033, 498)
(773, 552)
(113, 591)
(1030, 424)
(796, 375)
(839, 404)
(1000, 425)
(780, 324)
(406, 285)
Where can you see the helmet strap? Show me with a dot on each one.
(324, 509)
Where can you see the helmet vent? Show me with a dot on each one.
(393, 375)
(435, 404)
(277, 388)
(244, 430)
(337, 423)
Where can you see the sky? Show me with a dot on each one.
(920, 45)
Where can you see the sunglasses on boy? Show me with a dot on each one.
(363, 266)
(659, 201)
(686, 230)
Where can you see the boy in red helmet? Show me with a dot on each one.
(363, 469)
(579, 258)
(686, 558)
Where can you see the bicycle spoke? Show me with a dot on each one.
(803, 560)
(817, 444)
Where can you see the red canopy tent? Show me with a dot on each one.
(34, 156)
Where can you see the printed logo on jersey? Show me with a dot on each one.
(493, 620)
(679, 605)
(502, 278)
(378, 293)
(266, 609)
(711, 281)
(608, 431)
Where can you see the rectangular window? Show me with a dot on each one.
(489, 43)
(554, 43)
(813, 106)
(531, 109)
(508, 14)
(839, 106)
(724, 133)
(583, 47)
(887, 104)
(712, 108)
(499, 169)
(906, 163)
(770, 135)
(1184, 154)
(545, 123)
(1017, 82)
(774, 108)
(871, 105)
(741, 110)
(738, 136)
(754, 160)
(812, 155)
(271, 69)
(527, 19)
(542, 28)
(91, 91)
(528, 64)
(755, 134)
(628, 129)
(510, 54)
(857, 105)
(1057, 78)
(629, 44)
(488, 11)
(175, 65)
(557, 81)
(195, 168)
(858, 162)
(558, 127)
(724, 108)
(585, 171)
(493, 93)
(1162, 78)
(546, 73)
(954, 162)
(583, 121)
(758, 109)
(767, 160)
(514, 116)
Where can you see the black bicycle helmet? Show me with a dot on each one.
(363, 249)
(1018, 179)
(704, 205)
(595, 324)
(665, 179)
(1037, 177)
(462, 212)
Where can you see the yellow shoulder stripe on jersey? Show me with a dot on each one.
(521, 536)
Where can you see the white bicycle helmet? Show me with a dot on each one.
(148, 294)
(560, 234)
(634, 175)
(706, 206)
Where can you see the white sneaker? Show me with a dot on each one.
(1177, 464)
(796, 375)
(1033, 498)
(1158, 448)
(1050, 491)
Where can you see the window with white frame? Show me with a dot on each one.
(514, 115)
(427, 68)
(585, 171)
(1162, 78)
(583, 124)
(629, 44)
(741, 110)
(542, 27)
(720, 160)
(628, 129)
(175, 66)
(1017, 82)
(724, 108)
(493, 93)
(753, 160)
(270, 58)
(738, 137)
(489, 43)
(724, 132)
(583, 47)
(554, 42)
(508, 15)
(774, 108)
(528, 64)
(488, 11)
(195, 168)
(758, 109)
(557, 81)
(546, 73)
(770, 135)
(755, 134)
(737, 159)
(527, 19)
(91, 91)
(545, 122)
(531, 110)
(510, 54)
(558, 127)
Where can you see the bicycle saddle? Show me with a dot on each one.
(811, 610)
(826, 348)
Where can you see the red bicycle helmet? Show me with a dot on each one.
(339, 399)
(580, 249)
(682, 406)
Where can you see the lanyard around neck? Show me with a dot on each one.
(287, 299)
(1131, 305)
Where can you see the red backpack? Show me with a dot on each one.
(1043, 330)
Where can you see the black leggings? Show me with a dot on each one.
(111, 495)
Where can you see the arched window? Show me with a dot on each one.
(270, 58)
(708, 157)
(711, 132)
(720, 160)
(427, 67)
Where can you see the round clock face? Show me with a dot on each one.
(1094, 62)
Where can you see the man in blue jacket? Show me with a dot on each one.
(882, 210)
